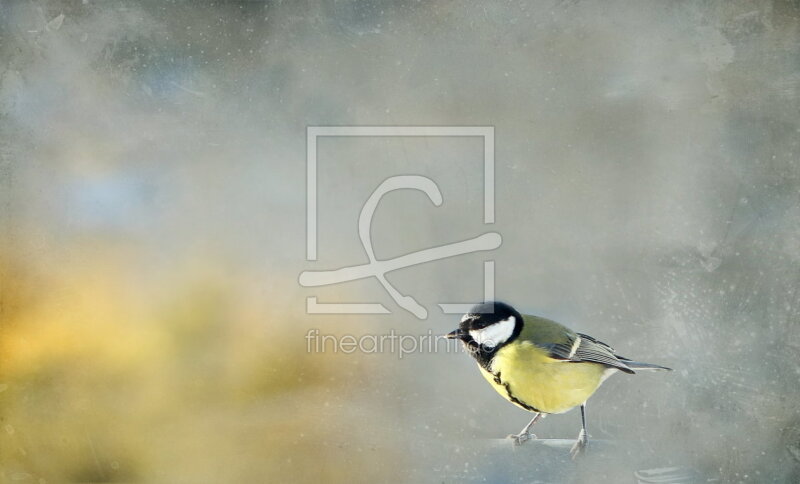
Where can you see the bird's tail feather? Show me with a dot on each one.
(638, 365)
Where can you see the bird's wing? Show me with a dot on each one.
(564, 344)
(581, 347)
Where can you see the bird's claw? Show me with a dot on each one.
(580, 446)
(521, 438)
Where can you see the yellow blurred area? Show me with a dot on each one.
(197, 379)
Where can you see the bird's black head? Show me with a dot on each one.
(487, 327)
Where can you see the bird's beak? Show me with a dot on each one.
(457, 334)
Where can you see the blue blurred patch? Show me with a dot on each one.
(117, 201)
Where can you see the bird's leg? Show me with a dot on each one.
(525, 435)
(580, 444)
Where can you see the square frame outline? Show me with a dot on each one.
(315, 132)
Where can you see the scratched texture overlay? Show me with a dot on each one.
(153, 229)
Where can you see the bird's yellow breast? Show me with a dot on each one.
(524, 375)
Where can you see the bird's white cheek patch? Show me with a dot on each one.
(495, 334)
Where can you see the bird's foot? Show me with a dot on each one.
(521, 438)
(580, 445)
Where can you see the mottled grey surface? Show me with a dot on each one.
(647, 192)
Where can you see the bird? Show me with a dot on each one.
(539, 365)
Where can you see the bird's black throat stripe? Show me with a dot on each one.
(511, 396)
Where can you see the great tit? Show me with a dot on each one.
(537, 364)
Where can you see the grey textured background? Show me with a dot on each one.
(647, 192)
